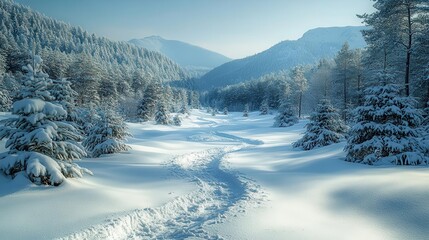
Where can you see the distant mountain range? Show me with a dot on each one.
(194, 59)
(311, 47)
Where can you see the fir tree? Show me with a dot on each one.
(5, 101)
(264, 107)
(184, 109)
(300, 85)
(107, 135)
(64, 95)
(147, 108)
(162, 115)
(325, 128)
(386, 129)
(286, 116)
(41, 143)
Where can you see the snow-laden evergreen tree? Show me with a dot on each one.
(300, 85)
(246, 110)
(63, 94)
(108, 92)
(195, 100)
(85, 75)
(177, 121)
(325, 128)
(286, 116)
(184, 109)
(225, 111)
(41, 143)
(162, 115)
(392, 34)
(107, 135)
(5, 101)
(263, 109)
(386, 129)
(147, 108)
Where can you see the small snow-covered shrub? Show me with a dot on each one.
(177, 121)
(325, 128)
(107, 135)
(225, 111)
(246, 110)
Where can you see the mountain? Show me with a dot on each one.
(21, 28)
(195, 59)
(311, 47)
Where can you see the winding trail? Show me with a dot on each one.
(221, 193)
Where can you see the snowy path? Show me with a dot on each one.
(220, 194)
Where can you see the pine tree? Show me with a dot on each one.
(85, 75)
(300, 85)
(343, 69)
(162, 115)
(325, 128)
(195, 100)
(386, 129)
(184, 109)
(64, 95)
(147, 108)
(394, 27)
(107, 135)
(246, 110)
(41, 143)
(286, 116)
(263, 109)
(5, 101)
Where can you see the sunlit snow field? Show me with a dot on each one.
(221, 177)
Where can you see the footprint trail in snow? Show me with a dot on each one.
(220, 194)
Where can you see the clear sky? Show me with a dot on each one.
(235, 28)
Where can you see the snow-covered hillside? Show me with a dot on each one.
(221, 177)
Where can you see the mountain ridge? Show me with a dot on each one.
(314, 45)
(193, 58)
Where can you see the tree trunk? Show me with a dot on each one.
(300, 105)
(345, 92)
(407, 64)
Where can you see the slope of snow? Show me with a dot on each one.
(221, 177)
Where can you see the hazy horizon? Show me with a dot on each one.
(235, 29)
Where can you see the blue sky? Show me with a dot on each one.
(235, 28)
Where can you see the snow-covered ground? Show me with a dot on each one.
(221, 177)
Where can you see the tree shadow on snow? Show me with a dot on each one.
(405, 211)
(10, 186)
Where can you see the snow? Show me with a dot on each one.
(221, 177)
